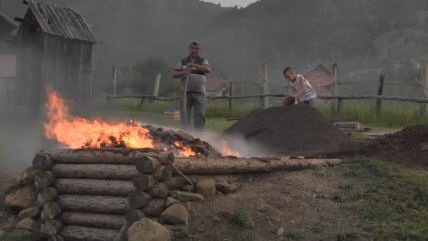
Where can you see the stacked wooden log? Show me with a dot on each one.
(107, 194)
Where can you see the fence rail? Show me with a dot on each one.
(338, 97)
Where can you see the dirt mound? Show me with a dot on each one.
(295, 130)
(409, 146)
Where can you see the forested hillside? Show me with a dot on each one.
(355, 33)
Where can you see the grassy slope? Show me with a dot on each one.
(393, 204)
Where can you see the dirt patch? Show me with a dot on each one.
(295, 130)
(409, 146)
(277, 206)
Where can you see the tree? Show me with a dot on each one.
(144, 75)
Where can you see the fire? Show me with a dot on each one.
(185, 150)
(226, 150)
(77, 132)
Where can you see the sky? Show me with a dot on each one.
(229, 3)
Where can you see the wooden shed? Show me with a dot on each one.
(322, 79)
(7, 26)
(54, 49)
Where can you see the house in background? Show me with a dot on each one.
(7, 80)
(217, 87)
(54, 49)
(323, 79)
(7, 27)
(7, 61)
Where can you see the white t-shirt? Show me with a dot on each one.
(296, 85)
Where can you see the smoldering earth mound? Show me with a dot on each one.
(295, 130)
(409, 146)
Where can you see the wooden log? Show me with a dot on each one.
(47, 195)
(165, 157)
(147, 165)
(95, 171)
(143, 182)
(133, 215)
(138, 199)
(44, 180)
(101, 204)
(159, 190)
(103, 156)
(252, 165)
(79, 233)
(42, 161)
(51, 210)
(94, 220)
(94, 187)
(51, 227)
(163, 173)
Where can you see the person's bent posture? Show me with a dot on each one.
(192, 70)
(302, 91)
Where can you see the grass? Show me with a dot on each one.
(391, 116)
(365, 112)
(395, 205)
(241, 217)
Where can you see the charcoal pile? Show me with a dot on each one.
(295, 130)
(171, 139)
(409, 146)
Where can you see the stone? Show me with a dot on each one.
(27, 176)
(424, 147)
(176, 214)
(51, 227)
(28, 224)
(56, 238)
(170, 201)
(280, 231)
(21, 235)
(123, 234)
(51, 210)
(29, 212)
(22, 198)
(227, 188)
(159, 190)
(206, 187)
(148, 230)
(180, 232)
(187, 196)
(155, 207)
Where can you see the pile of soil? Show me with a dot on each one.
(409, 146)
(294, 130)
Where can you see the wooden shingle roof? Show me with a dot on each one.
(61, 21)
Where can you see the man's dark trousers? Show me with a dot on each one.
(195, 101)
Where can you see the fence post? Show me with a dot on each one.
(230, 96)
(114, 80)
(380, 93)
(424, 77)
(336, 82)
(264, 99)
(157, 84)
(339, 109)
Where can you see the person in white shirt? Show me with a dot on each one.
(302, 91)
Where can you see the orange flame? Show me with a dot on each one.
(75, 132)
(226, 150)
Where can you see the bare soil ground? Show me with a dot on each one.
(280, 206)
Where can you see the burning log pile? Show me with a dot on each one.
(109, 194)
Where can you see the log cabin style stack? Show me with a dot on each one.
(98, 194)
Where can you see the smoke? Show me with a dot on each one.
(20, 139)
(232, 145)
